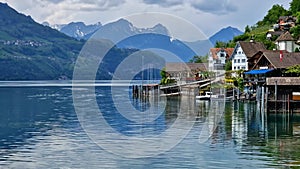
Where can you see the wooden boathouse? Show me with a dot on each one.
(277, 90)
(283, 94)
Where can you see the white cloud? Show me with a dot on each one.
(210, 6)
(214, 6)
(164, 3)
(209, 15)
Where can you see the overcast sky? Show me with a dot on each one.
(208, 15)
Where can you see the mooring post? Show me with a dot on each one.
(288, 103)
(276, 96)
(233, 94)
(266, 100)
(262, 107)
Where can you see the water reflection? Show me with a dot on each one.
(39, 129)
(271, 137)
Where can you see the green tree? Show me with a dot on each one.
(228, 65)
(247, 29)
(163, 73)
(293, 70)
(220, 44)
(199, 59)
(242, 37)
(295, 31)
(240, 82)
(273, 14)
(165, 79)
(295, 6)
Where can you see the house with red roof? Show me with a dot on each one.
(217, 58)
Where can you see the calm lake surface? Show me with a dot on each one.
(39, 128)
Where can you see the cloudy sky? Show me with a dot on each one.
(208, 15)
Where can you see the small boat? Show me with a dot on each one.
(207, 96)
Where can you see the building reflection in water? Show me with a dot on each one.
(275, 135)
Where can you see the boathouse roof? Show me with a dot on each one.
(179, 67)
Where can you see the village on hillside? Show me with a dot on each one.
(250, 70)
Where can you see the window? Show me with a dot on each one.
(238, 60)
(243, 60)
(243, 67)
(234, 60)
(234, 68)
(240, 52)
(238, 67)
(222, 55)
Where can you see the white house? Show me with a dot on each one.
(242, 52)
(217, 58)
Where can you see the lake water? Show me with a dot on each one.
(39, 128)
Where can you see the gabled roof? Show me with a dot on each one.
(179, 67)
(214, 52)
(285, 37)
(289, 59)
(250, 48)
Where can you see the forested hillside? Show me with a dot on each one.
(258, 32)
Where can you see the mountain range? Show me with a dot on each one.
(123, 28)
(225, 35)
(144, 38)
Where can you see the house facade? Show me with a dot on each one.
(244, 51)
(217, 58)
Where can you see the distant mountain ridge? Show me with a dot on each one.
(123, 28)
(225, 35)
(112, 31)
(77, 30)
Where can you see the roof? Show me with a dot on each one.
(260, 71)
(179, 66)
(291, 81)
(257, 55)
(275, 33)
(250, 48)
(286, 18)
(289, 59)
(214, 52)
(285, 37)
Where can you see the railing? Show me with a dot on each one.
(184, 83)
(255, 79)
